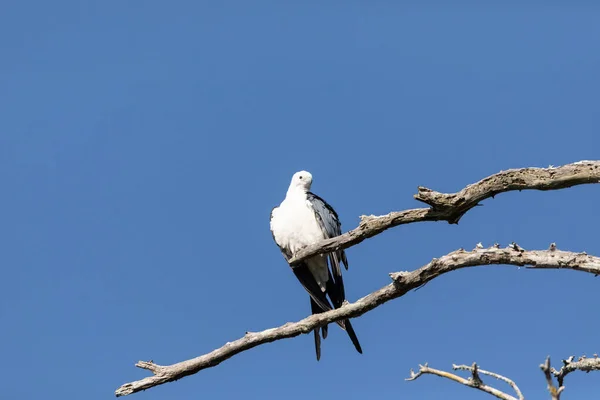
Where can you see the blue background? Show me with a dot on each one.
(143, 145)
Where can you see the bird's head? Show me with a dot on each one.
(301, 181)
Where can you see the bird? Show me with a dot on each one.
(303, 218)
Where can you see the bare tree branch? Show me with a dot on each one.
(402, 283)
(452, 206)
(474, 369)
(444, 207)
(474, 381)
(582, 364)
(555, 392)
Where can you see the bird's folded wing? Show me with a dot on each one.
(330, 225)
(309, 283)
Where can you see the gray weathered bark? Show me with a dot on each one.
(444, 207)
(451, 207)
(475, 381)
(402, 283)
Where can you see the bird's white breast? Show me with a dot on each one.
(294, 225)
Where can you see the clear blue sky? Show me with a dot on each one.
(143, 145)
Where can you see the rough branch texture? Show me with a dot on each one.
(474, 381)
(452, 206)
(475, 369)
(582, 364)
(555, 392)
(402, 283)
(444, 207)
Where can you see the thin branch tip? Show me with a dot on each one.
(475, 381)
(149, 365)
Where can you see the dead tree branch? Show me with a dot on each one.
(444, 207)
(582, 364)
(555, 392)
(452, 206)
(474, 369)
(402, 283)
(474, 381)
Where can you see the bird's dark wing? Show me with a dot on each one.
(329, 222)
(331, 227)
(352, 334)
(318, 301)
(315, 310)
(306, 278)
(309, 283)
(337, 299)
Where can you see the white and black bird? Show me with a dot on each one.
(301, 219)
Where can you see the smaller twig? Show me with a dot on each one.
(474, 381)
(555, 392)
(475, 369)
(475, 375)
(582, 364)
(149, 365)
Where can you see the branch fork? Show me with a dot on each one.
(443, 207)
(474, 381)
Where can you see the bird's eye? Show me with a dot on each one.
(300, 177)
